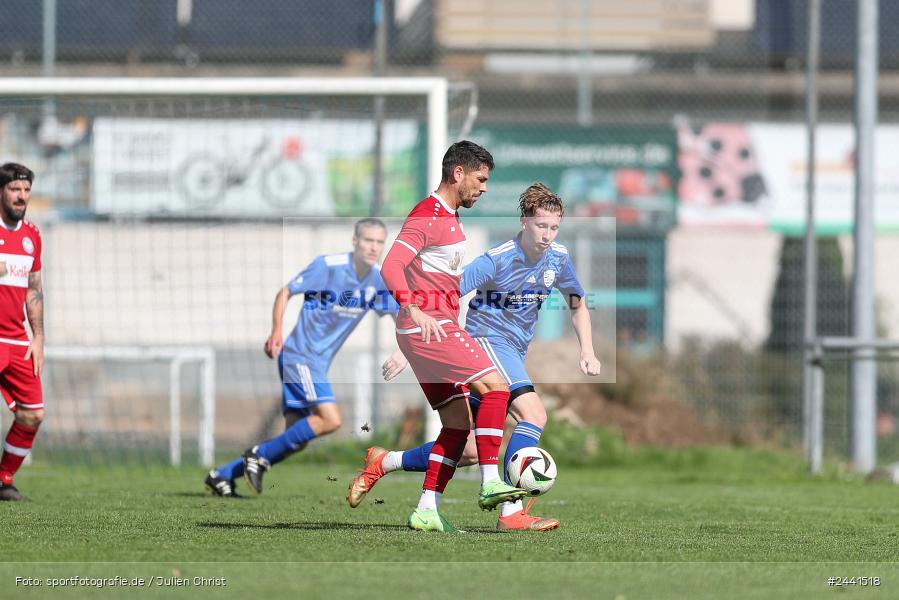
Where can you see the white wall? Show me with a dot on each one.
(720, 283)
(160, 284)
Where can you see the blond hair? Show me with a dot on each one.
(539, 196)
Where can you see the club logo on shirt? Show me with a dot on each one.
(457, 260)
(549, 276)
(28, 245)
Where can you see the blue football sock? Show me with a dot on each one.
(280, 447)
(417, 458)
(525, 435)
(232, 470)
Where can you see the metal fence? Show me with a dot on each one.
(681, 118)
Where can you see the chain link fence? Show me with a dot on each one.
(681, 118)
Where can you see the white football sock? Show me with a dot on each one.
(429, 500)
(510, 508)
(392, 462)
(489, 473)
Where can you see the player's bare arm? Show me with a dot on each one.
(583, 328)
(34, 310)
(275, 340)
(394, 365)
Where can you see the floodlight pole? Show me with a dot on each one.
(864, 368)
(811, 377)
(584, 77)
(379, 61)
(48, 53)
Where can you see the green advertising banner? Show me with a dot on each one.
(629, 173)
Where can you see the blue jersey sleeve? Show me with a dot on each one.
(388, 306)
(384, 303)
(477, 273)
(567, 282)
(311, 279)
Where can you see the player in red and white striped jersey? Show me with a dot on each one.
(423, 272)
(21, 359)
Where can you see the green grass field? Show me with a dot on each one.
(703, 523)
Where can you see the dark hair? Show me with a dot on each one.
(14, 172)
(539, 196)
(468, 154)
(368, 222)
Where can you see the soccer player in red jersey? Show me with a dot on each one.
(423, 271)
(21, 360)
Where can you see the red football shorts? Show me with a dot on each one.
(20, 387)
(445, 368)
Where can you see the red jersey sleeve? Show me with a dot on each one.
(411, 240)
(414, 234)
(35, 234)
(38, 246)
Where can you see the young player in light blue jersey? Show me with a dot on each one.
(511, 282)
(339, 290)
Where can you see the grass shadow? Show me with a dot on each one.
(304, 525)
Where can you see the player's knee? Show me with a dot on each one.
(30, 418)
(490, 385)
(496, 386)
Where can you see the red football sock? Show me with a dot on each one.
(445, 453)
(488, 433)
(15, 449)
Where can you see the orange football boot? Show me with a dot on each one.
(524, 521)
(368, 476)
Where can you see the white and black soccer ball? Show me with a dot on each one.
(532, 469)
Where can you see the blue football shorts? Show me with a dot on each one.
(509, 362)
(303, 385)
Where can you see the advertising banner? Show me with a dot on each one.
(754, 174)
(626, 173)
(251, 168)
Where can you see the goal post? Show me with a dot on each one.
(176, 358)
(434, 88)
(144, 273)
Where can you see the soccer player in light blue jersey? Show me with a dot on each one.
(511, 282)
(338, 289)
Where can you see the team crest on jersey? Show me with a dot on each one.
(457, 260)
(28, 245)
(549, 276)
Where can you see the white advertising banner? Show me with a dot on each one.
(228, 167)
(754, 174)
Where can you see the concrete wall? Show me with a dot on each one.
(720, 283)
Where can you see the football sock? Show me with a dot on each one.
(489, 473)
(445, 453)
(429, 500)
(232, 470)
(415, 459)
(280, 447)
(16, 447)
(510, 508)
(524, 435)
(393, 461)
(488, 433)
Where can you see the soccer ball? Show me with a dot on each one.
(532, 469)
